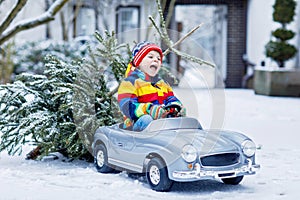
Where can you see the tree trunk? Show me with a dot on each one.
(63, 27)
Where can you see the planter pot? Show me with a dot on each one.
(277, 82)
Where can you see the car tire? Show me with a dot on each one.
(157, 175)
(233, 181)
(101, 159)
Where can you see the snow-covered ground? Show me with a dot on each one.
(272, 122)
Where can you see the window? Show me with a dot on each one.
(127, 24)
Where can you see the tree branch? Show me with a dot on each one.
(73, 18)
(192, 58)
(42, 19)
(6, 22)
(183, 38)
(165, 37)
(110, 94)
(1, 1)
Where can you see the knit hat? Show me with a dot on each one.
(141, 49)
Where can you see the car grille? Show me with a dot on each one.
(216, 160)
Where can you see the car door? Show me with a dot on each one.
(122, 145)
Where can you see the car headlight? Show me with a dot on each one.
(248, 148)
(189, 153)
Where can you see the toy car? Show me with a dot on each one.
(175, 149)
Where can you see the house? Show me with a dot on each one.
(231, 29)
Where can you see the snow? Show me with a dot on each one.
(272, 122)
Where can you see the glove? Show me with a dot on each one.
(182, 112)
(157, 112)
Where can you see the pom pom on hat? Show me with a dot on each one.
(142, 49)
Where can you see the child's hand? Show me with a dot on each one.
(182, 112)
(157, 112)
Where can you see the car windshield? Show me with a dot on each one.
(173, 123)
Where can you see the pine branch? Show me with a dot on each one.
(170, 12)
(163, 32)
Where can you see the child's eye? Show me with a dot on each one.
(152, 56)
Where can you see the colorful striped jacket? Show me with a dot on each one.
(138, 92)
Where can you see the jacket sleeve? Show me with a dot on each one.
(128, 101)
(172, 99)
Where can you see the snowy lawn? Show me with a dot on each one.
(272, 122)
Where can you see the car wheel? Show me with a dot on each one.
(101, 160)
(233, 181)
(157, 175)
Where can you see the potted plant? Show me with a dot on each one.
(279, 81)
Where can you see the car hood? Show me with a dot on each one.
(214, 142)
(205, 141)
(178, 132)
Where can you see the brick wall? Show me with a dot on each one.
(236, 42)
(236, 37)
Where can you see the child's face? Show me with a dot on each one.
(151, 63)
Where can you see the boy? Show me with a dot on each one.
(142, 94)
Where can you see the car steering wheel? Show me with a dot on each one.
(173, 110)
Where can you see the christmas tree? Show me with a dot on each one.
(36, 109)
(60, 110)
(96, 83)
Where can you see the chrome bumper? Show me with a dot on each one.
(197, 173)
